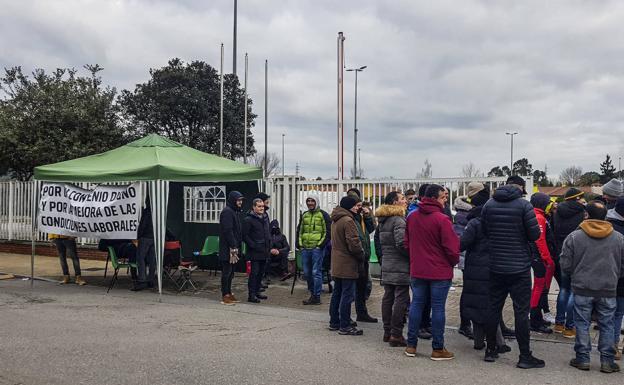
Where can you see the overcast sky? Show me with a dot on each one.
(445, 79)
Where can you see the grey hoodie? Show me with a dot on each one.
(594, 256)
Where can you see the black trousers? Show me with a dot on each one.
(394, 304)
(518, 286)
(227, 274)
(255, 277)
(360, 292)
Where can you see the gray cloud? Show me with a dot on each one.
(444, 81)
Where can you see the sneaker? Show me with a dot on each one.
(541, 329)
(569, 333)
(423, 334)
(466, 331)
(478, 346)
(609, 367)
(261, 296)
(333, 328)
(351, 332)
(503, 349)
(65, 280)
(80, 281)
(530, 362)
(579, 365)
(548, 317)
(396, 342)
(618, 353)
(234, 299)
(253, 300)
(366, 318)
(410, 351)
(491, 355)
(559, 328)
(386, 336)
(441, 355)
(227, 300)
(313, 300)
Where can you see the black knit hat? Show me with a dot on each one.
(348, 202)
(355, 191)
(573, 193)
(619, 206)
(515, 179)
(540, 200)
(262, 195)
(480, 198)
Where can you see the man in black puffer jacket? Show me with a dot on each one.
(509, 224)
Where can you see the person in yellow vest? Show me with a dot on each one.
(67, 245)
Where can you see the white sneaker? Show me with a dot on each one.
(549, 318)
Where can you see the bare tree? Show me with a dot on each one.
(273, 163)
(426, 171)
(471, 171)
(571, 176)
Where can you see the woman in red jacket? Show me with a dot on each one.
(542, 264)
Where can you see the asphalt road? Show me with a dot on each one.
(80, 335)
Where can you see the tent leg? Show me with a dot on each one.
(33, 218)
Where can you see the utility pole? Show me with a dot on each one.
(355, 129)
(245, 114)
(340, 79)
(512, 134)
(221, 108)
(234, 43)
(359, 172)
(283, 157)
(266, 118)
(297, 169)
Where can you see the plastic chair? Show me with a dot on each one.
(171, 261)
(117, 265)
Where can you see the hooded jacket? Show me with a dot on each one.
(617, 221)
(462, 209)
(314, 228)
(476, 290)
(347, 252)
(567, 218)
(544, 247)
(278, 240)
(230, 229)
(509, 224)
(395, 266)
(257, 236)
(594, 257)
(433, 245)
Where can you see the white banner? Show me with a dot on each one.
(109, 212)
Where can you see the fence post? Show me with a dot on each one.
(11, 204)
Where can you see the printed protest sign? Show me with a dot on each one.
(109, 212)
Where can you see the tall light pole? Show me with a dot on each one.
(355, 129)
(245, 114)
(360, 160)
(340, 102)
(266, 118)
(512, 134)
(221, 108)
(283, 173)
(234, 36)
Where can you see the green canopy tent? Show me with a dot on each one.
(153, 159)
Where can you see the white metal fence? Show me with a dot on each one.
(288, 195)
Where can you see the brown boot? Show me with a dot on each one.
(234, 299)
(227, 300)
(80, 281)
(441, 355)
(65, 280)
(396, 342)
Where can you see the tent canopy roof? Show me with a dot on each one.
(150, 158)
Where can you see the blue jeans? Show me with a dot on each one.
(617, 319)
(605, 309)
(312, 260)
(340, 304)
(437, 291)
(565, 302)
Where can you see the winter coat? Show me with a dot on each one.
(544, 248)
(462, 209)
(366, 225)
(314, 229)
(476, 291)
(567, 218)
(433, 245)
(230, 229)
(509, 223)
(617, 221)
(395, 267)
(594, 257)
(347, 252)
(278, 240)
(257, 236)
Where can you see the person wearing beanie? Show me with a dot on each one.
(592, 256)
(542, 261)
(230, 243)
(509, 224)
(474, 188)
(347, 257)
(266, 199)
(615, 216)
(476, 275)
(567, 218)
(611, 191)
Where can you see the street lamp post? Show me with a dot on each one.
(283, 173)
(245, 119)
(355, 129)
(221, 108)
(360, 161)
(512, 134)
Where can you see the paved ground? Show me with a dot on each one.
(55, 334)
